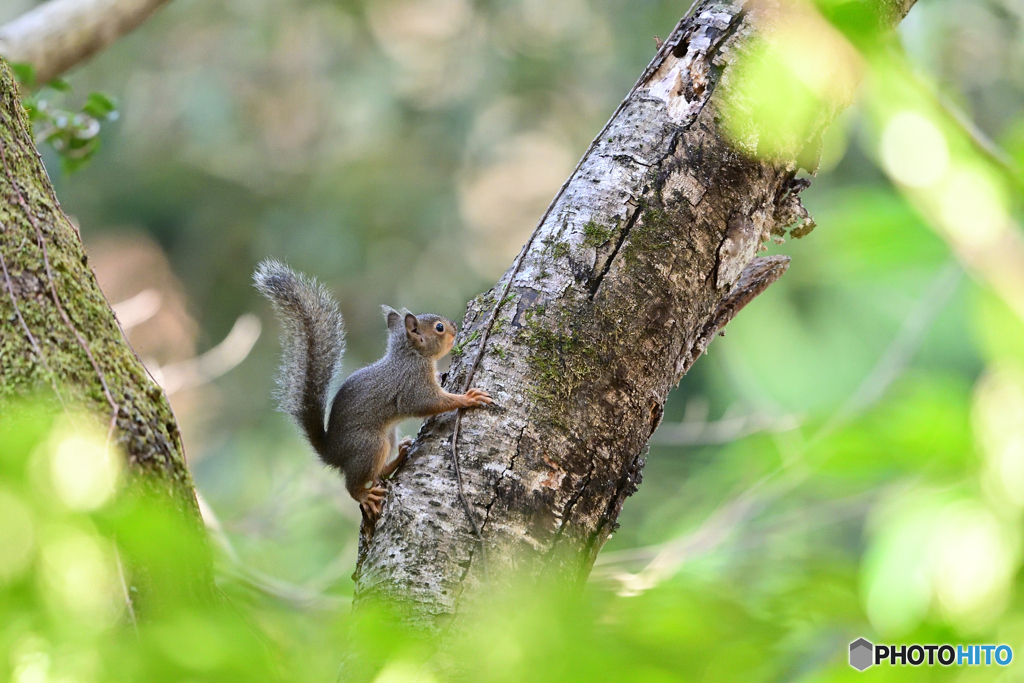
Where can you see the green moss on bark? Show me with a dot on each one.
(561, 359)
(652, 232)
(594, 235)
(43, 255)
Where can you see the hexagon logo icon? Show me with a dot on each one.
(861, 654)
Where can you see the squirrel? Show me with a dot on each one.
(361, 433)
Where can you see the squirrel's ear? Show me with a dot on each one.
(391, 315)
(412, 330)
(411, 323)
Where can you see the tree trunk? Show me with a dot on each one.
(60, 337)
(646, 252)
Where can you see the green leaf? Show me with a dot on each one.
(59, 84)
(32, 108)
(25, 73)
(74, 163)
(99, 106)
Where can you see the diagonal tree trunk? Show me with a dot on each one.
(646, 252)
(60, 34)
(59, 337)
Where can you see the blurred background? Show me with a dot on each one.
(848, 461)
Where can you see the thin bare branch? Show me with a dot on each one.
(305, 597)
(730, 427)
(138, 309)
(222, 358)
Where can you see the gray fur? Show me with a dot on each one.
(360, 434)
(368, 405)
(313, 345)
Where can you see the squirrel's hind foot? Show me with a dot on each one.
(371, 501)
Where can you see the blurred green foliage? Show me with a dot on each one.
(858, 464)
(73, 135)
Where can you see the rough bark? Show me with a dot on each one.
(63, 33)
(59, 337)
(646, 252)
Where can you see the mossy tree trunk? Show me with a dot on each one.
(645, 254)
(60, 339)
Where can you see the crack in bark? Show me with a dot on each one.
(595, 284)
(511, 466)
(571, 504)
(631, 219)
(487, 515)
(631, 157)
(728, 33)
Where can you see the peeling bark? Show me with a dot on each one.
(60, 338)
(645, 254)
(61, 34)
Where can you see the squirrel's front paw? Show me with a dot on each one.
(477, 397)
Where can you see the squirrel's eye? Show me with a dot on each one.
(439, 327)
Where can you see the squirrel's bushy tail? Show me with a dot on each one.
(314, 342)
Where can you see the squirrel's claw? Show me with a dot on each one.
(477, 397)
(371, 511)
(372, 503)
